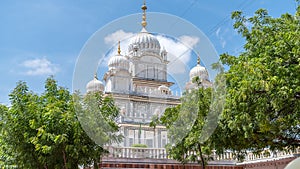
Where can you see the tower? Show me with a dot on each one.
(140, 88)
(117, 77)
(202, 74)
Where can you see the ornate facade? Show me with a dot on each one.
(139, 85)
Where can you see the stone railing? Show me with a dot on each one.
(161, 153)
(226, 156)
(267, 154)
(134, 152)
(155, 93)
(150, 93)
(250, 156)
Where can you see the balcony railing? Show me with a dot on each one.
(161, 153)
(133, 152)
(267, 154)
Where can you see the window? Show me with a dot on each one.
(130, 141)
(164, 142)
(149, 143)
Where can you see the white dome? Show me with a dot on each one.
(199, 71)
(94, 85)
(163, 87)
(144, 41)
(118, 62)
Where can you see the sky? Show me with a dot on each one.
(40, 38)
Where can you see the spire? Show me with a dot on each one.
(95, 76)
(144, 8)
(198, 60)
(119, 48)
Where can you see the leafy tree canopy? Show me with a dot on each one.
(262, 108)
(44, 131)
(263, 84)
(185, 123)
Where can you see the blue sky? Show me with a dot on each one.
(39, 38)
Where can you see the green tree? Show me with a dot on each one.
(154, 122)
(263, 85)
(16, 130)
(4, 157)
(192, 125)
(44, 131)
(185, 123)
(97, 115)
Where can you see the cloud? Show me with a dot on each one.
(39, 66)
(119, 35)
(189, 41)
(179, 50)
(112, 39)
(223, 43)
(218, 32)
(220, 36)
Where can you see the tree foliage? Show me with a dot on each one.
(263, 85)
(44, 132)
(97, 115)
(185, 123)
(262, 108)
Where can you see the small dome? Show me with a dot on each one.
(199, 71)
(164, 89)
(144, 41)
(94, 85)
(118, 62)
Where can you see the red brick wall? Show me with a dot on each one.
(166, 166)
(278, 164)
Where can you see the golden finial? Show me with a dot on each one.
(144, 8)
(119, 48)
(95, 76)
(198, 59)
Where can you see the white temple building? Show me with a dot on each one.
(138, 82)
(140, 88)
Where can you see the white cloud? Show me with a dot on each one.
(119, 35)
(179, 52)
(218, 32)
(112, 39)
(223, 43)
(39, 66)
(220, 36)
(189, 41)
